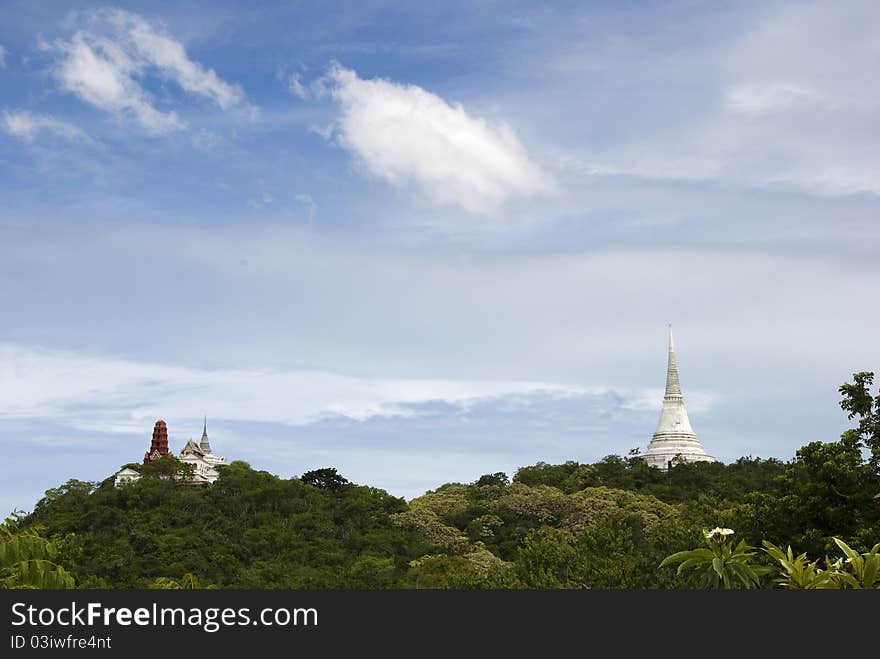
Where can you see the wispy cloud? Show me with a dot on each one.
(105, 62)
(109, 394)
(785, 102)
(28, 126)
(2, 57)
(755, 99)
(410, 137)
(295, 85)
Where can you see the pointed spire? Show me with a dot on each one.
(673, 387)
(205, 445)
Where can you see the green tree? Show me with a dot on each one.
(569, 477)
(858, 402)
(621, 550)
(67, 499)
(372, 572)
(27, 558)
(829, 489)
(168, 468)
(498, 478)
(439, 571)
(549, 558)
(324, 479)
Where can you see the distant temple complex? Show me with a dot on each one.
(199, 455)
(674, 439)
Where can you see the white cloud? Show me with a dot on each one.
(28, 126)
(757, 99)
(295, 85)
(206, 140)
(317, 88)
(170, 57)
(2, 57)
(105, 62)
(787, 100)
(103, 78)
(408, 136)
(822, 50)
(110, 394)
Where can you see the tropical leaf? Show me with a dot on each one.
(39, 574)
(851, 553)
(26, 559)
(691, 554)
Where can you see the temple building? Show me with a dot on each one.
(159, 443)
(199, 455)
(674, 439)
(126, 475)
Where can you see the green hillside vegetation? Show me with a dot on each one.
(611, 524)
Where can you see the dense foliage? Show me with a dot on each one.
(610, 524)
(27, 559)
(249, 530)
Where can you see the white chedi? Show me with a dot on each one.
(674, 439)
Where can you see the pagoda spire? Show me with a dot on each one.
(205, 445)
(673, 386)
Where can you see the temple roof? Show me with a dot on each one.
(191, 448)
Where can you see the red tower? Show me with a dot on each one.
(159, 444)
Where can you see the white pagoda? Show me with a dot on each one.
(674, 439)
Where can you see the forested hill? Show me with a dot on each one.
(602, 525)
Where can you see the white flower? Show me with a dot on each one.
(718, 533)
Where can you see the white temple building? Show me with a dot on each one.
(126, 475)
(674, 439)
(200, 456)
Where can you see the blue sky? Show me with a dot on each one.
(422, 244)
